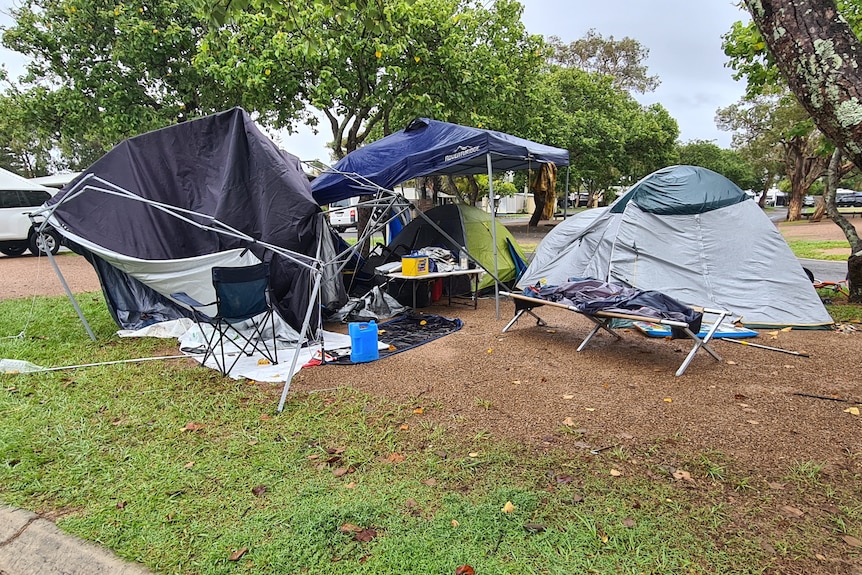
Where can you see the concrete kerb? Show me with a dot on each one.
(31, 545)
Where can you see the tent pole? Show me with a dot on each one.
(69, 293)
(493, 205)
(312, 303)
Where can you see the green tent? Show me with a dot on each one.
(471, 228)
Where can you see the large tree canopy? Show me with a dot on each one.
(371, 66)
(622, 60)
(101, 71)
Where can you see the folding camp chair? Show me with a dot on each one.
(242, 312)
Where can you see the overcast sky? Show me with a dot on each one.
(683, 38)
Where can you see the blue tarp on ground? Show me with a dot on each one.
(427, 147)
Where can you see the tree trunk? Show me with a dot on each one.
(854, 262)
(818, 55)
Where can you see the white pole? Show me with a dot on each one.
(493, 204)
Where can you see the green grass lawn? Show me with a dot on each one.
(176, 467)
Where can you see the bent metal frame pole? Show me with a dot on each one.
(312, 303)
(66, 288)
(493, 205)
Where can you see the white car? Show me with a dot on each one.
(18, 198)
(343, 214)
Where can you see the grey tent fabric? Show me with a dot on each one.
(712, 249)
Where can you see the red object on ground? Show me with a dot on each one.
(437, 289)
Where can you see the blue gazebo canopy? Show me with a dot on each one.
(429, 147)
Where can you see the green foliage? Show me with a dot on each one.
(732, 164)
(101, 71)
(610, 137)
(24, 149)
(372, 66)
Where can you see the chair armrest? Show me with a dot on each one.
(185, 298)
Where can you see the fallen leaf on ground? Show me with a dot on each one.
(752, 422)
(569, 422)
(395, 458)
(731, 362)
(852, 541)
(534, 527)
(265, 417)
(465, 570)
(473, 454)
(121, 504)
(668, 400)
(418, 411)
(189, 465)
(430, 482)
(455, 523)
(404, 427)
(615, 473)
(258, 490)
(235, 556)
(516, 382)
(366, 535)
(350, 528)
(351, 485)
(629, 522)
(340, 472)
(820, 557)
(791, 512)
(568, 396)
(193, 426)
(590, 408)
(509, 507)
(682, 475)
(852, 410)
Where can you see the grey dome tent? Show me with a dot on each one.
(694, 235)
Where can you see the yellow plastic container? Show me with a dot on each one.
(414, 265)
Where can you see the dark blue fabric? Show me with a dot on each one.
(428, 147)
(591, 296)
(221, 166)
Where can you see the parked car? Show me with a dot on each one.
(808, 201)
(849, 200)
(16, 230)
(343, 213)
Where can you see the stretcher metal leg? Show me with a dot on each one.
(699, 343)
(600, 324)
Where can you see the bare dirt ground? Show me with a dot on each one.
(761, 413)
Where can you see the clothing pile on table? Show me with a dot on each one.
(440, 259)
